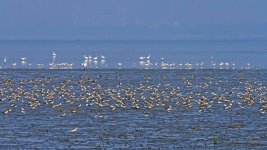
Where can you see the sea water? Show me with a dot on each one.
(100, 127)
(241, 53)
(124, 128)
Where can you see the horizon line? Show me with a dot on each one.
(126, 39)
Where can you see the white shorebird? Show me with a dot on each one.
(85, 62)
(142, 58)
(248, 66)
(103, 57)
(145, 61)
(14, 65)
(95, 58)
(142, 62)
(233, 65)
(188, 66)
(201, 65)
(23, 60)
(5, 60)
(40, 66)
(53, 58)
(85, 57)
(148, 57)
(226, 64)
(221, 65)
(103, 60)
(119, 64)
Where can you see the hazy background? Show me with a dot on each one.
(133, 19)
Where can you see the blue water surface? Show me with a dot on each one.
(127, 52)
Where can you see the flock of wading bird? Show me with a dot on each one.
(74, 94)
(144, 62)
